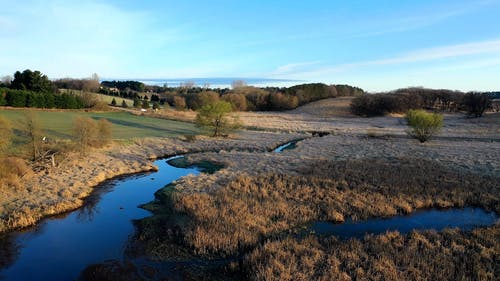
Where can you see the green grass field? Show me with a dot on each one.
(125, 125)
(107, 99)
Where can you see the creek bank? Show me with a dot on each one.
(66, 187)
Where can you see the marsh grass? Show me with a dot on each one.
(250, 209)
(447, 255)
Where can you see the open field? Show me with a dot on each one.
(332, 115)
(59, 124)
(105, 98)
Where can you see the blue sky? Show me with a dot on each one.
(374, 44)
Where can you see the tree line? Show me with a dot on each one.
(34, 89)
(248, 98)
(402, 100)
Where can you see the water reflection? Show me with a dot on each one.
(9, 250)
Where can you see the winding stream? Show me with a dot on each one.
(59, 248)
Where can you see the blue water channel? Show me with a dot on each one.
(465, 219)
(60, 248)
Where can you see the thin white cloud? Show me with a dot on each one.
(491, 47)
(293, 67)
(473, 48)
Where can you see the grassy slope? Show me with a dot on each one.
(106, 98)
(125, 125)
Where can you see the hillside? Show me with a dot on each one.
(333, 107)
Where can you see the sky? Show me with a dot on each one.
(377, 45)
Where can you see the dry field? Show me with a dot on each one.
(332, 115)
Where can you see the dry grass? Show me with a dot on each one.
(448, 255)
(334, 107)
(12, 170)
(250, 208)
(62, 188)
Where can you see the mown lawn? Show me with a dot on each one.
(125, 125)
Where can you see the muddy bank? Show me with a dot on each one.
(64, 188)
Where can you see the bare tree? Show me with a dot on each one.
(34, 133)
(85, 129)
(238, 84)
(104, 132)
(179, 102)
(94, 77)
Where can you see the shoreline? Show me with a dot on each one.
(65, 189)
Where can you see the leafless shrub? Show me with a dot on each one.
(12, 169)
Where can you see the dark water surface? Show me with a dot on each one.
(465, 219)
(60, 248)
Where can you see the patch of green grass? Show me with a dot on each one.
(125, 125)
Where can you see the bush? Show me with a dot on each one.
(423, 125)
(12, 169)
(90, 133)
(179, 102)
(476, 104)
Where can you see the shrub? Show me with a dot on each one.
(90, 133)
(423, 125)
(476, 104)
(179, 102)
(12, 169)
(85, 129)
(238, 101)
(104, 131)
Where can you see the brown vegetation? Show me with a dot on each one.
(248, 209)
(12, 169)
(90, 133)
(447, 255)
